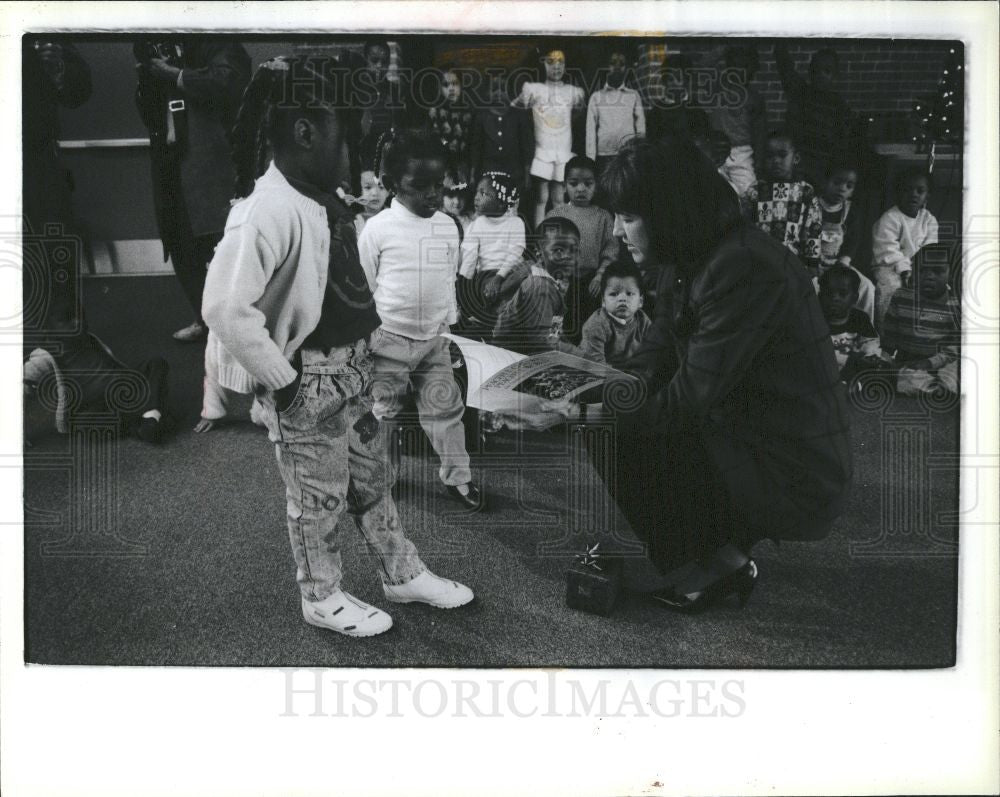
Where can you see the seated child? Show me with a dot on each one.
(613, 333)
(456, 197)
(782, 205)
(922, 326)
(598, 245)
(854, 338)
(86, 377)
(839, 230)
(493, 246)
(534, 293)
(372, 200)
(899, 233)
(410, 256)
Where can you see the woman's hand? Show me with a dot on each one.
(595, 286)
(543, 416)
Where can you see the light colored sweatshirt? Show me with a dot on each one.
(896, 237)
(411, 264)
(492, 243)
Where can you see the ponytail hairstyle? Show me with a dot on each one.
(282, 91)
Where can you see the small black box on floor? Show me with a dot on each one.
(594, 582)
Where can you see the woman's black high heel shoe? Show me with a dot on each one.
(739, 583)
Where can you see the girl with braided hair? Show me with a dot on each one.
(290, 306)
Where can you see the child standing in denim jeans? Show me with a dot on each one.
(287, 298)
(410, 254)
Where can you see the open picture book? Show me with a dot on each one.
(512, 384)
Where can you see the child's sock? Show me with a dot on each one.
(156, 415)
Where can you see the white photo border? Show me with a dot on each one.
(220, 731)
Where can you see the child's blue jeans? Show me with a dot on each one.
(326, 468)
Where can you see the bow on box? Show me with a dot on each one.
(591, 557)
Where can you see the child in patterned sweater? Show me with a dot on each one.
(782, 205)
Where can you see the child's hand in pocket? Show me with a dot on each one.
(284, 396)
(367, 427)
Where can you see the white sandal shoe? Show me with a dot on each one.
(345, 614)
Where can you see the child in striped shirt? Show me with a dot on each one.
(922, 327)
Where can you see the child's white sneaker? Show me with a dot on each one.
(429, 588)
(345, 614)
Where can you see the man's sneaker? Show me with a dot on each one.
(429, 588)
(192, 334)
(345, 614)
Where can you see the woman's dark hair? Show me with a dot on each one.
(686, 204)
(282, 91)
(407, 145)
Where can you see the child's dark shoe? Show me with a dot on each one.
(150, 430)
(472, 498)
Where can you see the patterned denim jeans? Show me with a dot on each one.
(426, 365)
(324, 465)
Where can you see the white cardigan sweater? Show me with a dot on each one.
(265, 285)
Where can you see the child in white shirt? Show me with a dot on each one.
(410, 255)
(494, 244)
(899, 234)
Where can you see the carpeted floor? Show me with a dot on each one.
(178, 555)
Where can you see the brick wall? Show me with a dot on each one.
(881, 80)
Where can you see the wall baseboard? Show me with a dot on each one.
(129, 258)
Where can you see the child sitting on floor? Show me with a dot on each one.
(456, 197)
(534, 293)
(80, 374)
(613, 333)
(854, 338)
(782, 204)
(493, 246)
(598, 245)
(839, 230)
(922, 326)
(899, 233)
